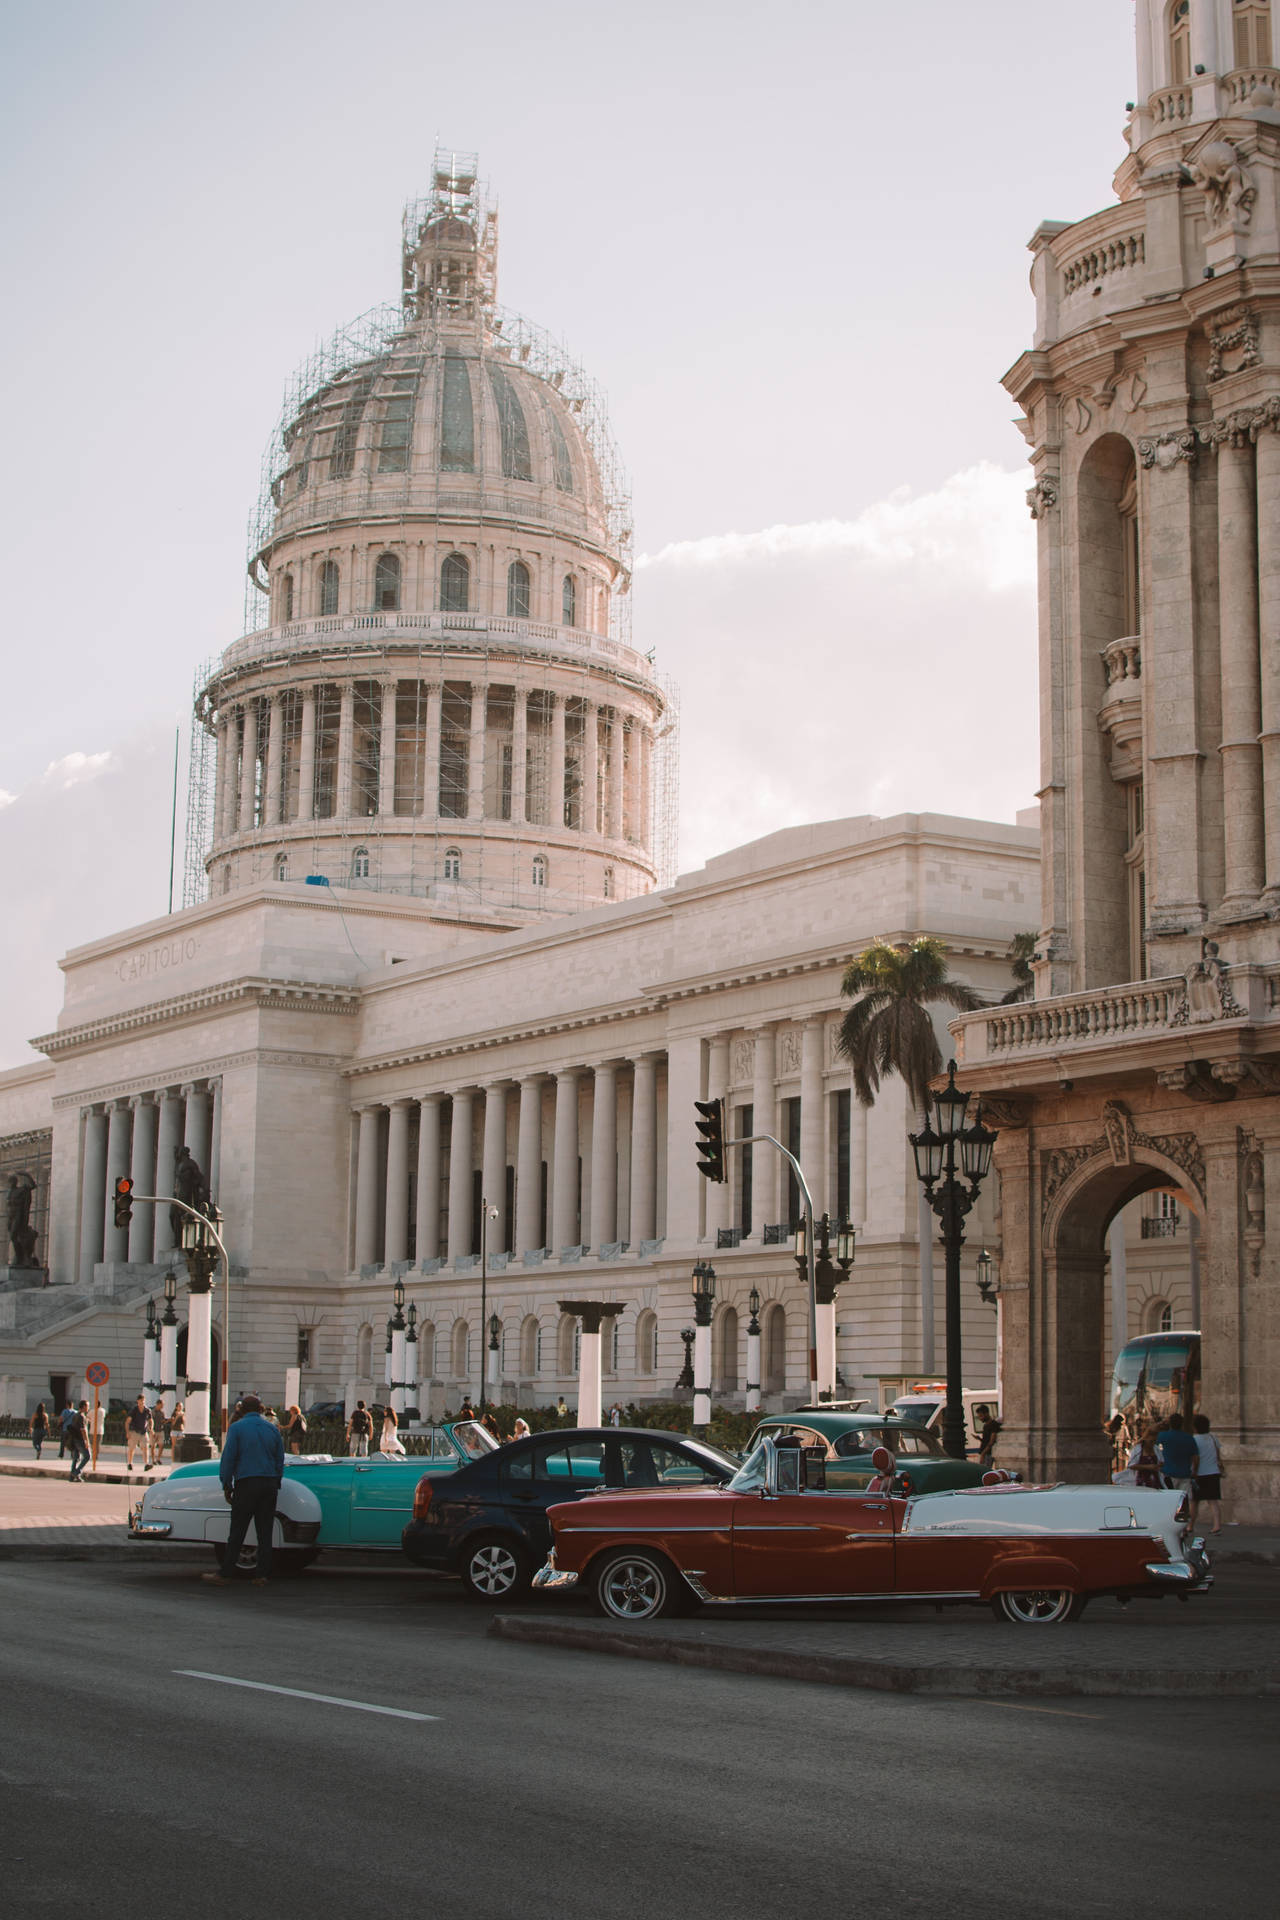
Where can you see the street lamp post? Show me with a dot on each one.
(952, 1161)
(411, 1408)
(704, 1298)
(685, 1376)
(202, 1260)
(495, 1353)
(169, 1345)
(753, 1352)
(386, 1364)
(487, 1213)
(825, 1282)
(151, 1354)
(397, 1325)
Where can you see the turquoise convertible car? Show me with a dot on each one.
(325, 1502)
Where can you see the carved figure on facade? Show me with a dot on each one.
(742, 1060)
(1228, 191)
(1242, 427)
(1005, 1115)
(22, 1235)
(1117, 1127)
(1043, 495)
(1206, 991)
(789, 1051)
(1233, 342)
(1167, 449)
(190, 1185)
(1256, 1076)
(1121, 1144)
(1253, 1197)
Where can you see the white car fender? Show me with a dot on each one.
(192, 1507)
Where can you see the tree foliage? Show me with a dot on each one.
(888, 1029)
(1020, 955)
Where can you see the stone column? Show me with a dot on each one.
(307, 757)
(1241, 678)
(346, 750)
(475, 754)
(215, 1139)
(229, 818)
(519, 755)
(460, 1171)
(1268, 476)
(220, 780)
(196, 1396)
(566, 1226)
(644, 1149)
(494, 1165)
(431, 756)
(812, 1131)
(614, 808)
(169, 1356)
(249, 770)
(275, 759)
(555, 777)
(529, 1166)
(397, 1231)
(92, 1194)
(142, 1169)
(631, 790)
(196, 1129)
(645, 828)
(114, 1239)
(591, 767)
(604, 1156)
(594, 1315)
(1174, 826)
(701, 1363)
(753, 1365)
(387, 749)
(764, 1158)
(167, 1144)
(719, 1198)
(367, 1188)
(427, 1242)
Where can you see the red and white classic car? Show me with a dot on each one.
(775, 1534)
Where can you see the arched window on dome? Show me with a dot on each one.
(286, 597)
(560, 460)
(1252, 24)
(518, 584)
(328, 588)
(569, 601)
(608, 883)
(457, 425)
(1179, 42)
(397, 426)
(455, 583)
(452, 863)
(360, 864)
(539, 870)
(514, 432)
(280, 868)
(386, 583)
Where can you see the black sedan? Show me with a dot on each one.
(488, 1524)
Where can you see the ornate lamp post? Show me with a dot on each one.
(952, 1161)
(151, 1354)
(685, 1376)
(411, 1409)
(986, 1286)
(825, 1281)
(704, 1297)
(202, 1260)
(495, 1353)
(169, 1344)
(397, 1325)
(753, 1352)
(386, 1365)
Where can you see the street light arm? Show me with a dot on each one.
(193, 1213)
(750, 1140)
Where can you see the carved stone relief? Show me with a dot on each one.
(1228, 191)
(789, 1051)
(1197, 1079)
(742, 1060)
(1243, 426)
(1206, 991)
(1117, 1145)
(1043, 495)
(1233, 341)
(1253, 1197)
(1167, 449)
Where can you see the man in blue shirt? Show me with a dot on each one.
(251, 1469)
(1177, 1453)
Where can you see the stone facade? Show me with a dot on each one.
(1150, 1059)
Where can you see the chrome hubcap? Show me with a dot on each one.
(1038, 1609)
(493, 1570)
(633, 1589)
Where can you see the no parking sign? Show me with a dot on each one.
(97, 1373)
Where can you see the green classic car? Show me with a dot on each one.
(850, 1439)
(325, 1501)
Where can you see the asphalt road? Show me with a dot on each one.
(520, 1783)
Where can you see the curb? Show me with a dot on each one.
(109, 1477)
(128, 1552)
(884, 1676)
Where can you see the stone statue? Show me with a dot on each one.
(189, 1185)
(22, 1235)
(1226, 186)
(1118, 1128)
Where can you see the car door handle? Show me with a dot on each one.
(364, 1469)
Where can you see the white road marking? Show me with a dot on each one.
(298, 1693)
(1016, 1706)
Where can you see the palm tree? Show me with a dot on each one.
(1020, 955)
(888, 1029)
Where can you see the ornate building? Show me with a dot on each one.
(1150, 1058)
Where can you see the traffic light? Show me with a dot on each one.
(124, 1200)
(711, 1154)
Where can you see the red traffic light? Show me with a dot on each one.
(123, 1201)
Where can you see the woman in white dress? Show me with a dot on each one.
(391, 1442)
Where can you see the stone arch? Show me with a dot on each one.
(724, 1350)
(364, 1350)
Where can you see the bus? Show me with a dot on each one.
(1157, 1374)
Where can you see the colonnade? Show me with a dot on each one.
(139, 1135)
(551, 759)
(1249, 613)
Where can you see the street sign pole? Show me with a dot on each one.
(97, 1373)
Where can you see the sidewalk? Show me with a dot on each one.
(18, 1457)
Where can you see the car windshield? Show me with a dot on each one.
(750, 1475)
(915, 1413)
(473, 1439)
(900, 1440)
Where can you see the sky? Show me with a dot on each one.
(789, 243)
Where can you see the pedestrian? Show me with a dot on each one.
(359, 1428)
(466, 1411)
(562, 1411)
(39, 1428)
(1206, 1486)
(157, 1436)
(177, 1421)
(295, 1429)
(78, 1439)
(988, 1434)
(100, 1424)
(137, 1430)
(1145, 1461)
(521, 1429)
(65, 1418)
(1117, 1432)
(490, 1425)
(1177, 1451)
(390, 1443)
(615, 1414)
(250, 1469)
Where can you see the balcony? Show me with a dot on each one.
(1160, 1227)
(433, 630)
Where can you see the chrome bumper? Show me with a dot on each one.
(1193, 1571)
(551, 1579)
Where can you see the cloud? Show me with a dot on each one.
(73, 769)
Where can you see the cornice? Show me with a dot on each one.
(279, 996)
(212, 1068)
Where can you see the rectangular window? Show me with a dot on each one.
(791, 1139)
(397, 428)
(842, 1135)
(304, 1346)
(745, 1125)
